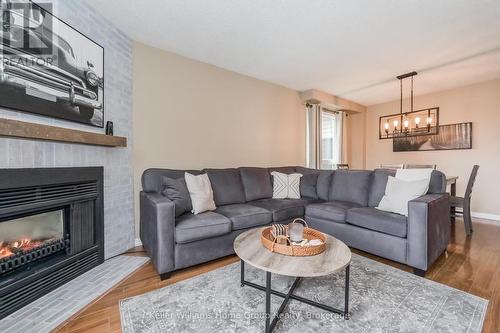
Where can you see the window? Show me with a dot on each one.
(329, 136)
(324, 146)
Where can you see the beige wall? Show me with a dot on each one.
(189, 114)
(480, 104)
(356, 128)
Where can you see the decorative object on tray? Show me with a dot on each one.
(313, 242)
(279, 230)
(280, 233)
(296, 230)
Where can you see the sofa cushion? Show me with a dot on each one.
(437, 183)
(152, 178)
(308, 186)
(227, 186)
(377, 185)
(245, 216)
(324, 183)
(306, 171)
(176, 190)
(190, 227)
(282, 209)
(332, 211)
(256, 183)
(286, 169)
(374, 219)
(350, 186)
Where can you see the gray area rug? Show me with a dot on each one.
(383, 299)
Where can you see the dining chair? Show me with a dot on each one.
(342, 166)
(391, 166)
(464, 202)
(420, 166)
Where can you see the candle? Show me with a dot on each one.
(417, 121)
(396, 123)
(407, 123)
(296, 232)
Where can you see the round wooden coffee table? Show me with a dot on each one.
(336, 257)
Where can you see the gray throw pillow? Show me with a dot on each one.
(177, 191)
(308, 186)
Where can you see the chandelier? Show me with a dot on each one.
(412, 123)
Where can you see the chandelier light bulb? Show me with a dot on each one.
(407, 123)
(429, 120)
(417, 121)
(396, 123)
(386, 125)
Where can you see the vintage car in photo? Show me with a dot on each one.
(45, 77)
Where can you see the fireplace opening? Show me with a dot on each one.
(27, 239)
(51, 230)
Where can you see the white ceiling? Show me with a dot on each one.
(353, 49)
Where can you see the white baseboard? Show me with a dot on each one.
(493, 218)
(138, 242)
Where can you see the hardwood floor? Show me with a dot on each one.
(471, 264)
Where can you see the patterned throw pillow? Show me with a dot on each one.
(286, 186)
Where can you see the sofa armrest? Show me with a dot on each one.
(428, 229)
(157, 228)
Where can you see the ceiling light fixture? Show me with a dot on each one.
(404, 124)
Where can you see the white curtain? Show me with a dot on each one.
(312, 135)
(345, 150)
(324, 137)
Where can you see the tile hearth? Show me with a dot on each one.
(51, 310)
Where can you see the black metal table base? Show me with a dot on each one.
(288, 296)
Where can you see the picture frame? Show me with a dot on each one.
(450, 137)
(48, 67)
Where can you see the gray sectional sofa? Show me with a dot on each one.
(340, 203)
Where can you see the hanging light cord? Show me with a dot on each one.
(401, 96)
(411, 94)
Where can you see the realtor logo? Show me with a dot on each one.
(26, 26)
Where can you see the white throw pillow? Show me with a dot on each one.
(200, 191)
(286, 186)
(399, 192)
(415, 174)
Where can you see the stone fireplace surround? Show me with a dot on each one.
(119, 231)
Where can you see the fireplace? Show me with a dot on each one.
(51, 230)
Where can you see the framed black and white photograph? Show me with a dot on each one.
(48, 67)
(449, 137)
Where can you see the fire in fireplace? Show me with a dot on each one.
(22, 246)
(25, 234)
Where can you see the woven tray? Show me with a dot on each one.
(273, 244)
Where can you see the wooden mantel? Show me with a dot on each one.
(20, 129)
